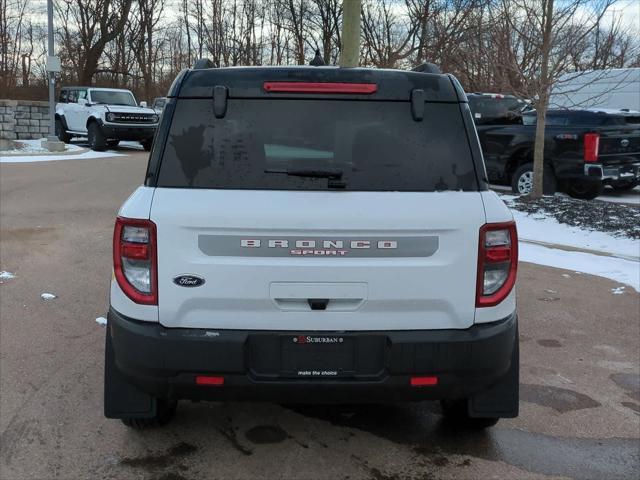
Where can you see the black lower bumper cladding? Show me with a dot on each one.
(145, 358)
(127, 132)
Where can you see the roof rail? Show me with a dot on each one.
(203, 63)
(427, 68)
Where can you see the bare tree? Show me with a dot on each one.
(87, 28)
(388, 38)
(147, 15)
(541, 37)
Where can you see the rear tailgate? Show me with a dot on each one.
(619, 145)
(422, 275)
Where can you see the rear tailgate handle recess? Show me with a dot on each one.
(318, 303)
(305, 296)
(220, 94)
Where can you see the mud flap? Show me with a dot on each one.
(500, 400)
(121, 398)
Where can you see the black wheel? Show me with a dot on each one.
(112, 143)
(624, 186)
(165, 412)
(146, 144)
(61, 133)
(455, 413)
(584, 190)
(97, 140)
(522, 180)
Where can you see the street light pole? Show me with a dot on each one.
(51, 74)
(350, 54)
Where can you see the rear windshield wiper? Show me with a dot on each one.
(334, 176)
(315, 173)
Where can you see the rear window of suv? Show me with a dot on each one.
(279, 144)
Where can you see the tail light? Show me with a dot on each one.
(497, 263)
(135, 263)
(591, 147)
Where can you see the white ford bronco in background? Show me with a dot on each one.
(314, 234)
(105, 116)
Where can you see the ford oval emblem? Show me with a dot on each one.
(624, 142)
(188, 280)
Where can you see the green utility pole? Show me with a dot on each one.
(350, 54)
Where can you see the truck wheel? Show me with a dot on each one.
(584, 190)
(522, 180)
(61, 133)
(146, 144)
(97, 140)
(455, 412)
(165, 411)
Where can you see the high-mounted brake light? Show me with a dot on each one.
(591, 147)
(320, 87)
(497, 263)
(135, 264)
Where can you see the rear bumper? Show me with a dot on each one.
(164, 362)
(128, 132)
(613, 173)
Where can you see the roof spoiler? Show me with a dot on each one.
(427, 68)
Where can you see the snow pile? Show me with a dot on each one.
(47, 296)
(101, 321)
(552, 232)
(89, 155)
(31, 148)
(35, 146)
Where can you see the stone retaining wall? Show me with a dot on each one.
(23, 119)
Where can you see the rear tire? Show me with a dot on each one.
(97, 140)
(165, 411)
(522, 180)
(456, 413)
(584, 190)
(61, 132)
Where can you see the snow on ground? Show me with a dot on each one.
(101, 321)
(47, 296)
(4, 275)
(544, 228)
(619, 257)
(608, 195)
(618, 269)
(88, 155)
(35, 146)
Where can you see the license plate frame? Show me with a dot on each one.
(317, 356)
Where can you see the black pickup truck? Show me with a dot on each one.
(584, 149)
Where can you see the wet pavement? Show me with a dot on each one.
(580, 374)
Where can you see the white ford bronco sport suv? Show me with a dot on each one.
(314, 234)
(105, 116)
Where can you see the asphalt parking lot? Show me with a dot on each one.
(580, 375)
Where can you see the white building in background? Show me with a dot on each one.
(617, 88)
